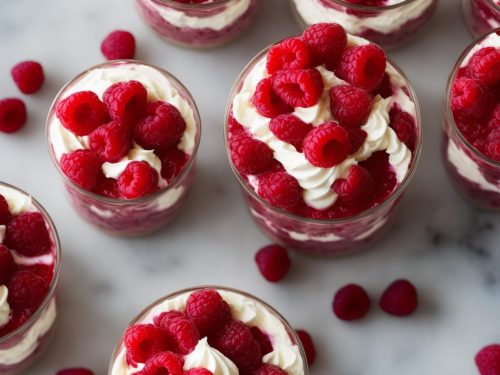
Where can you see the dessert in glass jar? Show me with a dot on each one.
(29, 271)
(389, 23)
(198, 23)
(481, 16)
(124, 137)
(471, 132)
(209, 331)
(323, 135)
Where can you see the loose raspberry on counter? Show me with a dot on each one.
(182, 330)
(308, 344)
(143, 341)
(27, 291)
(350, 105)
(249, 155)
(263, 340)
(298, 88)
(28, 76)
(290, 129)
(138, 180)
(28, 235)
(83, 167)
(269, 370)
(488, 360)
(7, 265)
(327, 42)
(13, 115)
(327, 145)
(208, 311)
(198, 371)
(111, 141)
(119, 44)
(291, 53)
(4, 211)
(166, 363)
(358, 188)
(351, 302)
(173, 162)
(280, 189)
(470, 100)
(266, 101)
(81, 112)
(400, 298)
(126, 101)
(273, 262)
(75, 371)
(484, 65)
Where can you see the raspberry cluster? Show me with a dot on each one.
(113, 125)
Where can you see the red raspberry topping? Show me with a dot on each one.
(119, 44)
(493, 149)
(382, 173)
(138, 180)
(327, 42)
(350, 105)
(173, 162)
(236, 342)
(470, 100)
(485, 65)
(308, 345)
(126, 101)
(4, 211)
(279, 189)
(298, 88)
(41, 270)
(83, 167)
(327, 145)
(181, 329)
(249, 155)
(143, 341)
(357, 188)
(351, 303)
(13, 115)
(266, 101)
(404, 126)
(363, 66)
(108, 187)
(28, 235)
(162, 128)
(163, 364)
(75, 371)
(291, 53)
(273, 262)
(27, 291)
(269, 370)
(111, 141)
(488, 360)
(198, 371)
(384, 88)
(290, 129)
(357, 137)
(400, 298)
(28, 76)
(263, 340)
(7, 265)
(208, 311)
(17, 319)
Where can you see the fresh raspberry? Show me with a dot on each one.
(83, 167)
(291, 53)
(173, 162)
(266, 101)
(485, 65)
(269, 370)
(404, 126)
(279, 189)
(108, 187)
(493, 149)
(162, 128)
(7, 265)
(43, 271)
(327, 42)
(208, 311)
(198, 371)
(166, 363)
(290, 129)
(126, 101)
(110, 142)
(13, 115)
(357, 188)
(118, 44)
(327, 145)
(17, 319)
(351, 303)
(488, 360)
(494, 120)
(182, 330)
(382, 172)
(27, 291)
(143, 341)
(298, 88)
(28, 235)
(308, 345)
(4, 211)
(263, 340)
(28, 76)
(138, 180)
(384, 88)
(273, 262)
(357, 137)
(350, 105)
(249, 155)
(75, 371)
(470, 100)
(236, 342)
(362, 66)
(400, 298)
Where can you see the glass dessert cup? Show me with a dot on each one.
(131, 217)
(21, 347)
(198, 25)
(481, 16)
(389, 26)
(330, 237)
(147, 315)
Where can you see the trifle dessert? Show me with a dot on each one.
(481, 16)
(124, 136)
(389, 23)
(471, 140)
(29, 269)
(198, 23)
(323, 135)
(209, 331)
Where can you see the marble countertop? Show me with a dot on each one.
(449, 249)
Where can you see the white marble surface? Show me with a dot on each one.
(447, 248)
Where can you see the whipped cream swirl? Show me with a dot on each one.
(204, 356)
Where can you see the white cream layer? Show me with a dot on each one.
(4, 306)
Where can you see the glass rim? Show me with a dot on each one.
(57, 268)
(174, 183)
(277, 314)
(368, 8)
(391, 198)
(447, 95)
(187, 6)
